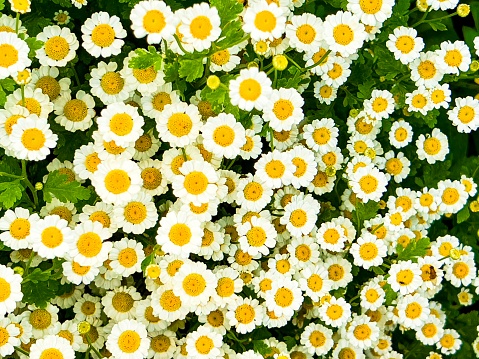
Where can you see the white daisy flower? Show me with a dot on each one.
(14, 54)
(372, 13)
(52, 345)
(179, 124)
(368, 251)
(194, 284)
(454, 57)
(146, 81)
(284, 109)
(465, 115)
(52, 237)
(32, 138)
(59, 46)
(461, 272)
(245, 314)
(413, 311)
(275, 168)
(42, 320)
(167, 305)
(419, 101)
(225, 60)
(425, 70)
(251, 89)
(339, 72)
(117, 181)
(102, 35)
(380, 105)
(204, 343)
(372, 296)
(321, 135)
(404, 277)
(10, 336)
(344, 33)
(253, 145)
(128, 339)
(88, 246)
(126, 257)
(339, 271)
(179, 234)
(108, 85)
(304, 32)
(257, 236)
(264, 21)
(432, 148)
(335, 312)
(440, 96)
(223, 136)
(153, 19)
(121, 123)
(200, 26)
(450, 341)
(120, 303)
(45, 78)
(323, 92)
(300, 214)
(430, 331)
(400, 134)
(368, 183)
(317, 338)
(17, 228)
(405, 44)
(10, 289)
(253, 193)
(75, 114)
(78, 274)
(362, 332)
(146, 146)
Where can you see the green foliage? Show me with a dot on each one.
(6, 85)
(34, 45)
(191, 69)
(463, 215)
(145, 59)
(228, 10)
(415, 248)
(10, 193)
(364, 211)
(262, 348)
(2, 4)
(40, 286)
(292, 79)
(64, 3)
(58, 186)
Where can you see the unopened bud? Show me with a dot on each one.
(330, 171)
(280, 62)
(18, 270)
(474, 66)
(353, 112)
(474, 206)
(84, 327)
(252, 64)
(382, 78)
(455, 254)
(463, 10)
(213, 82)
(153, 271)
(38, 186)
(370, 152)
(422, 5)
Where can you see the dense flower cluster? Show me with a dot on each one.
(206, 226)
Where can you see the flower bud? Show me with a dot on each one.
(463, 10)
(83, 327)
(213, 82)
(422, 5)
(19, 270)
(280, 62)
(474, 206)
(474, 65)
(370, 152)
(330, 171)
(38, 186)
(455, 254)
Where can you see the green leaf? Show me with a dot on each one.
(64, 3)
(364, 211)
(8, 84)
(39, 294)
(366, 89)
(463, 215)
(291, 80)
(191, 69)
(391, 295)
(57, 186)
(34, 45)
(469, 36)
(2, 4)
(227, 9)
(290, 342)
(262, 348)
(145, 59)
(437, 25)
(415, 248)
(10, 193)
(232, 34)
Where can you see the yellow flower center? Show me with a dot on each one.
(426, 69)
(103, 35)
(129, 341)
(52, 237)
(450, 196)
(250, 90)
(413, 310)
(20, 228)
(298, 218)
(204, 345)
(160, 344)
(303, 252)
(122, 302)
(154, 21)
(253, 191)
(160, 100)
(283, 109)
(196, 182)
(405, 44)
(336, 71)
(315, 283)
(394, 166)
(405, 277)
(75, 110)
(225, 287)
(224, 136)
(265, 21)
(221, 57)
(317, 339)
(112, 83)
(117, 181)
(92, 161)
(201, 27)
(466, 114)
(194, 284)
(40, 319)
(371, 7)
(57, 48)
(305, 33)
(379, 104)
(145, 76)
(51, 353)
(5, 290)
(256, 237)
(334, 311)
(135, 212)
(89, 244)
(127, 257)
(336, 272)
(275, 169)
(460, 270)
(180, 234)
(368, 184)
(429, 330)
(343, 34)
(151, 178)
(368, 251)
(8, 55)
(245, 314)
(362, 332)
(453, 58)
(179, 124)
(33, 139)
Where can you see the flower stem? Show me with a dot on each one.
(179, 44)
(17, 22)
(4, 174)
(77, 79)
(422, 18)
(319, 61)
(293, 62)
(29, 184)
(92, 347)
(22, 351)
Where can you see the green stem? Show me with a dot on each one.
(319, 61)
(87, 354)
(440, 18)
(4, 174)
(422, 18)
(275, 80)
(375, 229)
(231, 164)
(77, 79)
(17, 22)
(29, 263)
(293, 62)
(271, 139)
(92, 347)
(29, 184)
(179, 44)
(22, 91)
(22, 351)
(184, 153)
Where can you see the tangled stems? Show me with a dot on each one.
(424, 21)
(29, 184)
(319, 61)
(24, 352)
(97, 353)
